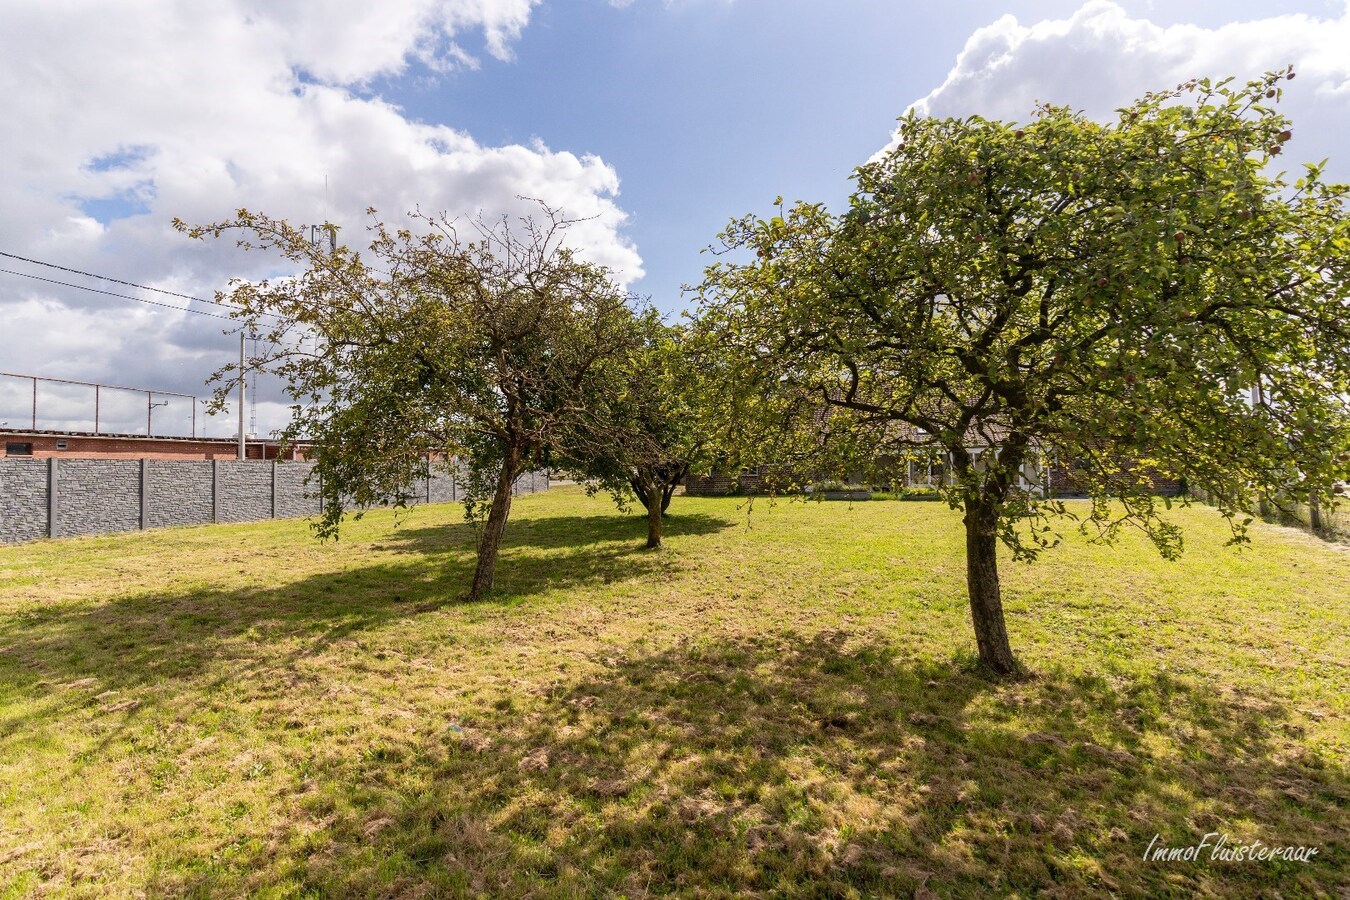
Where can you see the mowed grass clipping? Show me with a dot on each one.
(781, 702)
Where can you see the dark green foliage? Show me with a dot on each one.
(1101, 296)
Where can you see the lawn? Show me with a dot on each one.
(781, 702)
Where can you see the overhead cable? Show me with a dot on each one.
(82, 287)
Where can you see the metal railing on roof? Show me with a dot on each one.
(99, 388)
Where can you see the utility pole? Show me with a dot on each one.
(253, 393)
(1259, 402)
(242, 381)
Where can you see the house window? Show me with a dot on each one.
(16, 448)
(62, 445)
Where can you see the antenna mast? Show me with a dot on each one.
(316, 232)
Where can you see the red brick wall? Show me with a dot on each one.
(88, 447)
(1063, 484)
(720, 485)
(710, 485)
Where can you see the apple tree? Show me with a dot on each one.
(433, 346)
(648, 425)
(1099, 295)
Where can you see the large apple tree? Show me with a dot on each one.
(1101, 296)
(471, 342)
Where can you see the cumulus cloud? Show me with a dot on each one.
(1101, 58)
(120, 117)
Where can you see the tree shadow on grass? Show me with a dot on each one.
(574, 533)
(796, 766)
(154, 637)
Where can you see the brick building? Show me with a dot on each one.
(86, 445)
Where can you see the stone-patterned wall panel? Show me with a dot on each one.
(23, 500)
(102, 495)
(244, 490)
(177, 492)
(294, 497)
(94, 496)
(443, 488)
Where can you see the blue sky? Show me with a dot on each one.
(709, 109)
(656, 121)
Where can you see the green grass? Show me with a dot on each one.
(785, 709)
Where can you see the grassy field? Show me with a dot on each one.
(781, 708)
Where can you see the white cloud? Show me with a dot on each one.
(348, 41)
(120, 117)
(669, 4)
(1100, 59)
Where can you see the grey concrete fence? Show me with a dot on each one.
(67, 497)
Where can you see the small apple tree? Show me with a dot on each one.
(1104, 295)
(647, 425)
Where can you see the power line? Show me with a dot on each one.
(143, 287)
(82, 287)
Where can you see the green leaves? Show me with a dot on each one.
(1099, 294)
(428, 349)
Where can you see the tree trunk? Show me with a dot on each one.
(672, 482)
(639, 487)
(1315, 512)
(654, 508)
(491, 539)
(986, 605)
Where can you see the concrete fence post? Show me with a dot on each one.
(215, 490)
(145, 493)
(53, 485)
(274, 488)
